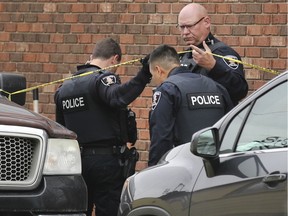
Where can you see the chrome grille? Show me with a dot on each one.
(16, 156)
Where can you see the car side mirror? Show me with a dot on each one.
(10, 83)
(205, 143)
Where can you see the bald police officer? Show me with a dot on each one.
(94, 106)
(182, 104)
(194, 25)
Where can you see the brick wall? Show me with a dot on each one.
(45, 40)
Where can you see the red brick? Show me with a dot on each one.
(223, 30)
(4, 57)
(134, 8)
(271, 8)
(170, 40)
(141, 19)
(11, 47)
(155, 39)
(283, 53)
(170, 19)
(255, 30)
(246, 41)
(262, 19)
(261, 41)
(253, 52)
(4, 36)
(231, 19)
(23, 27)
(156, 19)
(283, 8)
(279, 64)
(223, 8)
(217, 19)
(238, 8)
(279, 19)
(105, 8)
(126, 39)
(10, 27)
(163, 8)
(278, 41)
(29, 57)
(70, 18)
(77, 8)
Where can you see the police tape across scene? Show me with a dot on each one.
(131, 62)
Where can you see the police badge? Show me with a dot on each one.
(108, 80)
(230, 63)
(156, 99)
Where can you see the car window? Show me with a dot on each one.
(265, 127)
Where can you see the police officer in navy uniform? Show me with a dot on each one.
(194, 26)
(94, 105)
(182, 104)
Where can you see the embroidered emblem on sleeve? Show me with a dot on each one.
(229, 63)
(108, 80)
(156, 99)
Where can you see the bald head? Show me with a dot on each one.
(194, 24)
(193, 10)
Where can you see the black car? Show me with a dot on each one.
(236, 167)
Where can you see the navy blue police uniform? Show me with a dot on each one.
(228, 73)
(183, 104)
(95, 107)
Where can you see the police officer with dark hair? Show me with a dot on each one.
(182, 104)
(94, 105)
(194, 26)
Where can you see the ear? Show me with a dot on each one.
(158, 70)
(115, 59)
(207, 21)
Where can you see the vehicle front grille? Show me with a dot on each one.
(16, 155)
(22, 154)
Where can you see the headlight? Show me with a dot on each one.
(63, 157)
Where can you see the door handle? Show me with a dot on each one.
(274, 178)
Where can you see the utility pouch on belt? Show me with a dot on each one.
(131, 126)
(129, 158)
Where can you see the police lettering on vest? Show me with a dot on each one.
(204, 100)
(74, 104)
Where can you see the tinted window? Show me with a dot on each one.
(265, 127)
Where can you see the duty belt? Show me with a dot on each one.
(100, 150)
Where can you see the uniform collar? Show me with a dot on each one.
(86, 67)
(178, 70)
(210, 40)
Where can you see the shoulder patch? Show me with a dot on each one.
(108, 80)
(232, 64)
(156, 99)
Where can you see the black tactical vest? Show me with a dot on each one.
(202, 104)
(93, 121)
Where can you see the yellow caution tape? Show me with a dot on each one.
(240, 62)
(131, 62)
(64, 79)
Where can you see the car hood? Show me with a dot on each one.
(180, 166)
(14, 114)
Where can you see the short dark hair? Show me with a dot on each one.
(165, 54)
(106, 48)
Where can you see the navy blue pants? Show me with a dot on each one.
(103, 177)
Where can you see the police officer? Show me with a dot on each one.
(194, 26)
(182, 104)
(93, 104)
